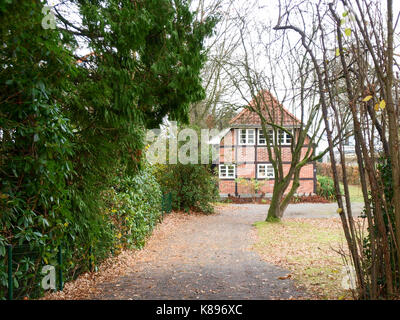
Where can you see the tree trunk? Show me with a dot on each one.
(286, 200)
(274, 211)
(393, 128)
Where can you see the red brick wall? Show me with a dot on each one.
(246, 153)
(248, 170)
(229, 139)
(286, 153)
(227, 155)
(228, 187)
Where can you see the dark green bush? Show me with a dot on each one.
(326, 187)
(131, 209)
(193, 186)
(68, 126)
(136, 207)
(384, 169)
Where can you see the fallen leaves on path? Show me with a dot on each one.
(308, 248)
(285, 277)
(86, 285)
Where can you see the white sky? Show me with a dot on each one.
(264, 12)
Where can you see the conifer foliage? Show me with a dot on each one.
(71, 122)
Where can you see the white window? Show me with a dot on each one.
(227, 171)
(265, 170)
(284, 138)
(247, 136)
(261, 137)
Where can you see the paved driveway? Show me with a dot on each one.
(210, 257)
(305, 210)
(207, 257)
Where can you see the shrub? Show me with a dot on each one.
(253, 185)
(135, 208)
(353, 174)
(192, 186)
(326, 187)
(130, 209)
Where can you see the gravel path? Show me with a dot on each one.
(207, 257)
(302, 210)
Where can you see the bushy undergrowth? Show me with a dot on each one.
(70, 124)
(326, 187)
(130, 210)
(352, 172)
(192, 186)
(384, 170)
(135, 204)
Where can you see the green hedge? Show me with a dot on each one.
(192, 186)
(131, 209)
(326, 187)
(68, 126)
(136, 207)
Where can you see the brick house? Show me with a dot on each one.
(243, 153)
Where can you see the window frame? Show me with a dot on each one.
(227, 176)
(260, 131)
(285, 137)
(265, 176)
(265, 137)
(246, 143)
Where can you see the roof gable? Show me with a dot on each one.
(272, 110)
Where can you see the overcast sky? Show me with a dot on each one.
(258, 13)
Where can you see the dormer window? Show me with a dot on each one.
(247, 136)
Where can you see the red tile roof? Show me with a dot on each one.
(265, 99)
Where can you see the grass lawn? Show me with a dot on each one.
(306, 247)
(355, 193)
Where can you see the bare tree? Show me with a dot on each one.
(217, 107)
(275, 66)
(353, 59)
